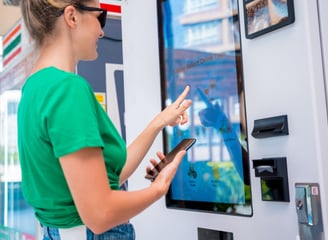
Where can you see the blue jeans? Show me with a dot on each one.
(121, 232)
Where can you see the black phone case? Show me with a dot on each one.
(185, 144)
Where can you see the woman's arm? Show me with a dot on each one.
(99, 207)
(172, 115)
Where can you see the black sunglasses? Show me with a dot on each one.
(101, 18)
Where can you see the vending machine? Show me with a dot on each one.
(257, 71)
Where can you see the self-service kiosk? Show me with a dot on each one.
(283, 58)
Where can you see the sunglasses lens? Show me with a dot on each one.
(102, 18)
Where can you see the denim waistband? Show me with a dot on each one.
(121, 232)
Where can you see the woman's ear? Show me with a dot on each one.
(70, 16)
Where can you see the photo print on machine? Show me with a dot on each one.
(263, 16)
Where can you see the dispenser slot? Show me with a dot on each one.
(274, 178)
(270, 127)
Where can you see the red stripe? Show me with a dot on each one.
(13, 32)
(14, 54)
(111, 7)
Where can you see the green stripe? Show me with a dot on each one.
(12, 45)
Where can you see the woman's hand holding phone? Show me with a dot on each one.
(184, 145)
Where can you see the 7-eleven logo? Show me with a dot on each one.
(12, 44)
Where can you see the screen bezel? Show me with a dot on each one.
(211, 207)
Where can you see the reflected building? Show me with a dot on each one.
(210, 25)
(206, 44)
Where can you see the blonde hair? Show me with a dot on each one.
(40, 16)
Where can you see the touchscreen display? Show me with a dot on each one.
(200, 47)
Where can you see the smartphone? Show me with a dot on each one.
(185, 144)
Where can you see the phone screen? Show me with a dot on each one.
(185, 144)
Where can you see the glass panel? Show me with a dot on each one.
(16, 216)
(200, 47)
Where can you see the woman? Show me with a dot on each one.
(72, 158)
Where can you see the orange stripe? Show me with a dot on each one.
(111, 7)
(17, 51)
(7, 39)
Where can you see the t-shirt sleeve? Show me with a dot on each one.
(71, 117)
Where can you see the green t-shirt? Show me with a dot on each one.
(58, 114)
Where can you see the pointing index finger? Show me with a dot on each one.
(182, 96)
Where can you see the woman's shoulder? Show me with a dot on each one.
(54, 77)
